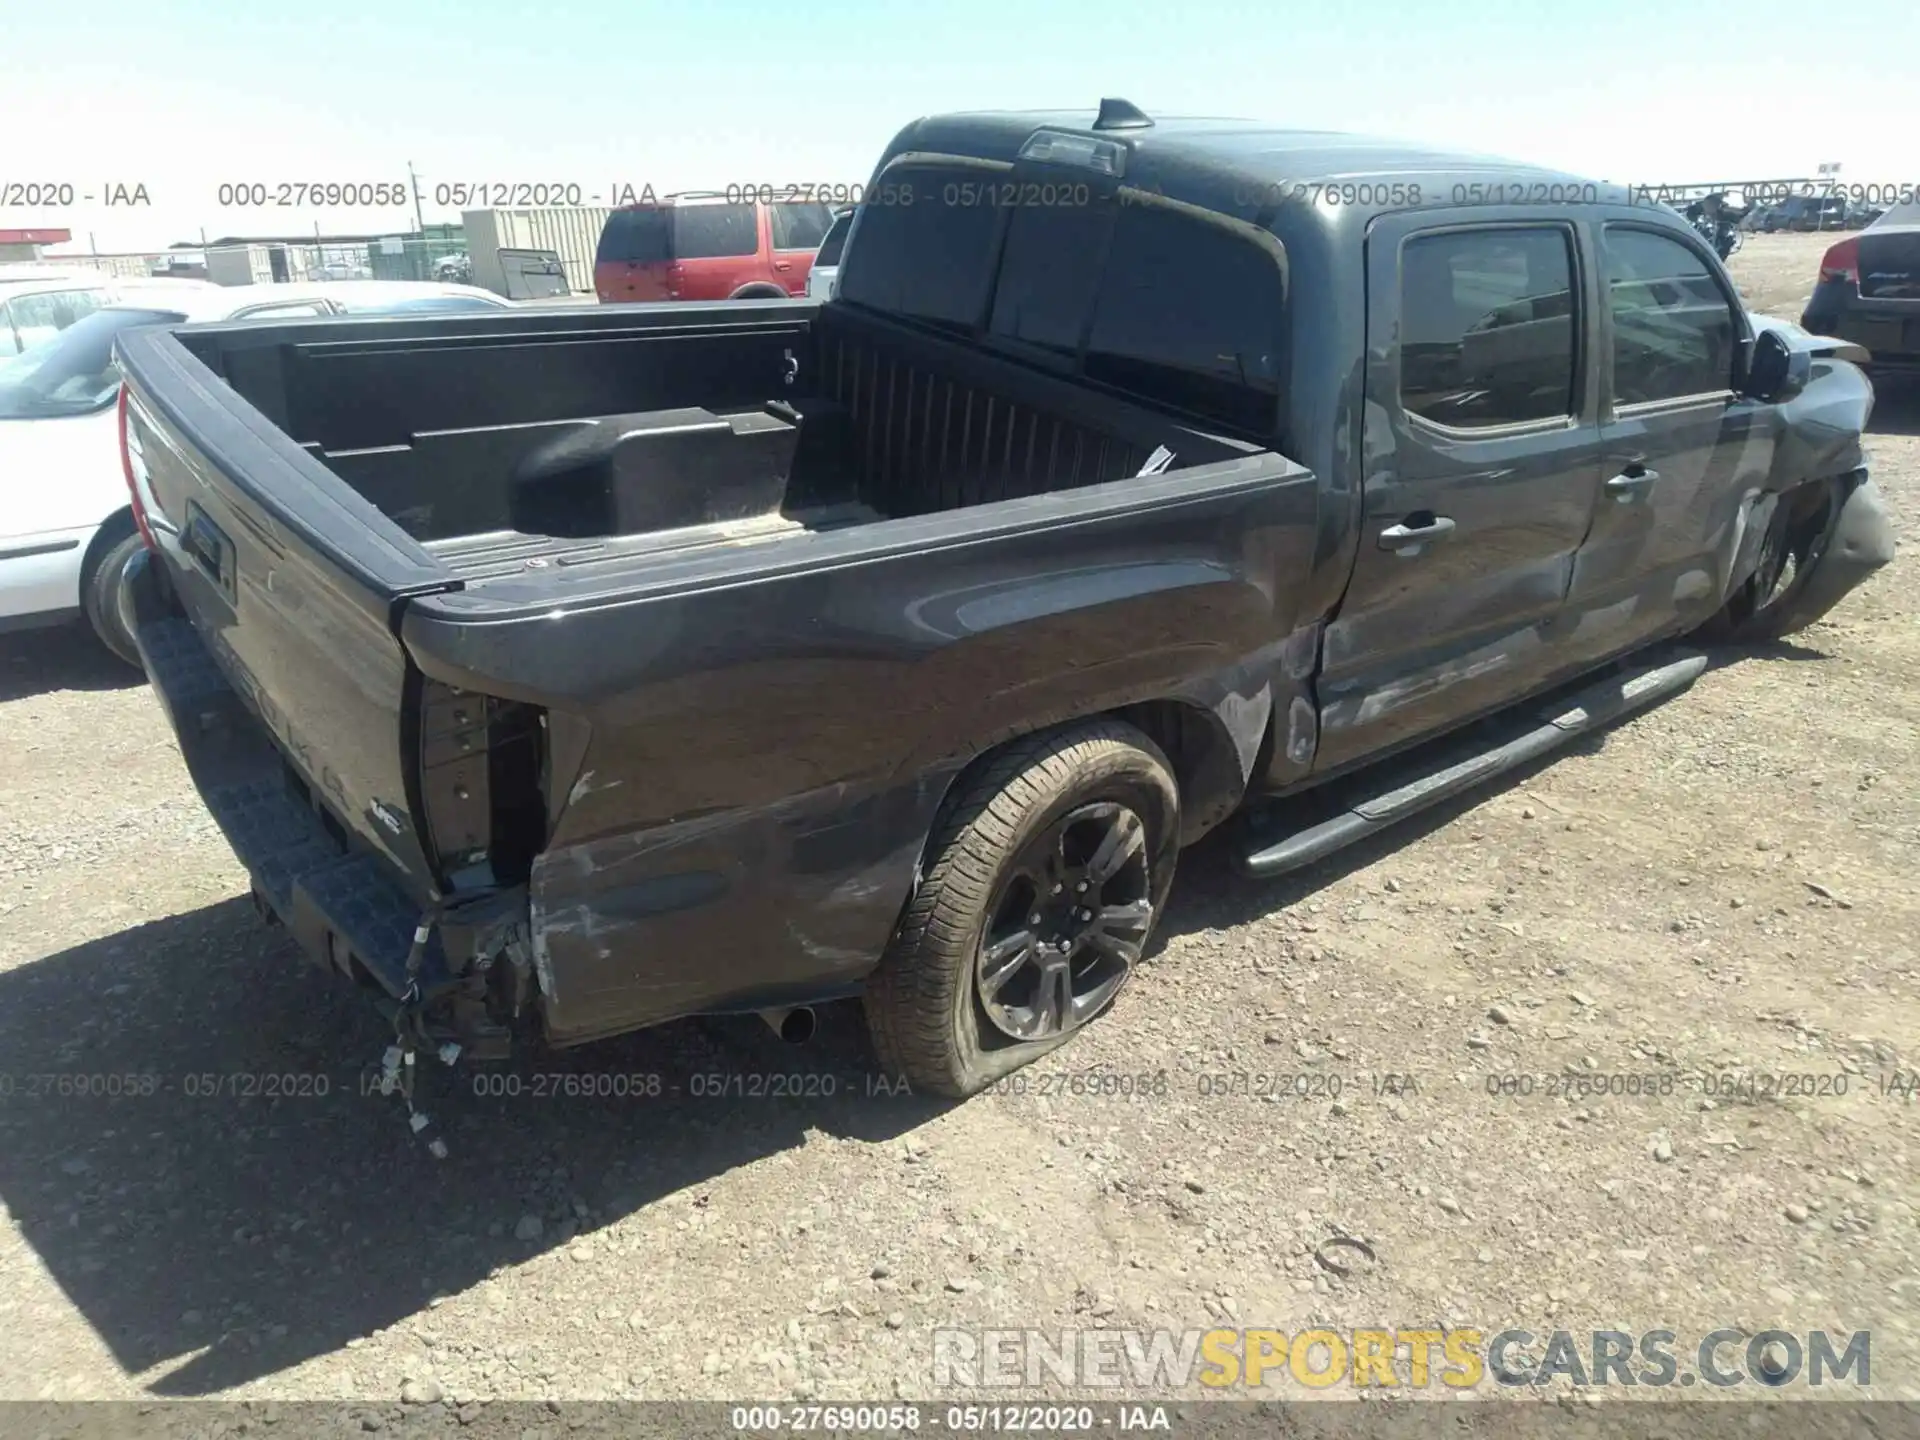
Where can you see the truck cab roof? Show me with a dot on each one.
(1182, 154)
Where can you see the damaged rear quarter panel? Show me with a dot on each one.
(752, 769)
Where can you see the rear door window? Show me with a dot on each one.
(705, 232)
(1673, 326)
(636, 237)
(799, 225)
(1488, 332)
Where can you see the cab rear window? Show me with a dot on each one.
(922, 257)
(1175, 306)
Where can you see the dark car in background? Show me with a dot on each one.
(1804, 212)
(708, 247)
(1869, 291)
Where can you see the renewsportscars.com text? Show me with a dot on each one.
(1406, 1357)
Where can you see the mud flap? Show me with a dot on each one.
(1860, 542)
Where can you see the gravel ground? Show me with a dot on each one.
(1723, 885)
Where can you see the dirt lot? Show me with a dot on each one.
(1724, 885)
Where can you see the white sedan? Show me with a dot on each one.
(39, 300)
(66, 526)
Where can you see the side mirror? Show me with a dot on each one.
(1777, 372)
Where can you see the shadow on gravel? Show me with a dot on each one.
(62, 657)
(1896, 406)
(1796, 651)
(185, 1143)
(1211, 893)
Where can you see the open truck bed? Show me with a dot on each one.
(636, 646)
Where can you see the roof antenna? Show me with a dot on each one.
(1117, 114)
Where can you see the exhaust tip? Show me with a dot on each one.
(794, 1024)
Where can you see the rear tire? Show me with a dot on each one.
(759, 291)
(100, 595)
(1021, 849)
(1757, 612)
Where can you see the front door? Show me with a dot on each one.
(1482, 455)
(1681, 447)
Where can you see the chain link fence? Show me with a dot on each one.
(280, 262)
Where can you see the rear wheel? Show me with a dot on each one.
(759, 291)
(100, 593)
(1758, 610)
(1047, 871)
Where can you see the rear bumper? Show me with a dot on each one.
(1889, 331)
(341, 905)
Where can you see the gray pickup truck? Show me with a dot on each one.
(560, 673)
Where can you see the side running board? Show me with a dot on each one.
(1587, 710)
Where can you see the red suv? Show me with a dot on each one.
(705, 247)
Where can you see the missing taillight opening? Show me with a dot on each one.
(481, 770)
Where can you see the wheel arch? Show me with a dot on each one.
(1212, 755)
(1211, 763)
(115, 528)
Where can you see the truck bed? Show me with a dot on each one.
(494, 445)
(663, 628)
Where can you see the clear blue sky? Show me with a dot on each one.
(183, 96)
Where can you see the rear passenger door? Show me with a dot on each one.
(1481, 454)
(717, 250)
(1679, 442)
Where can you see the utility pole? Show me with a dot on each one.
(419, 221)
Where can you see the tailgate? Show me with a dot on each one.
(293, 582)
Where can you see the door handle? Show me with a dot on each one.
(1631, 483)
(1412, 535)
(783, 265)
